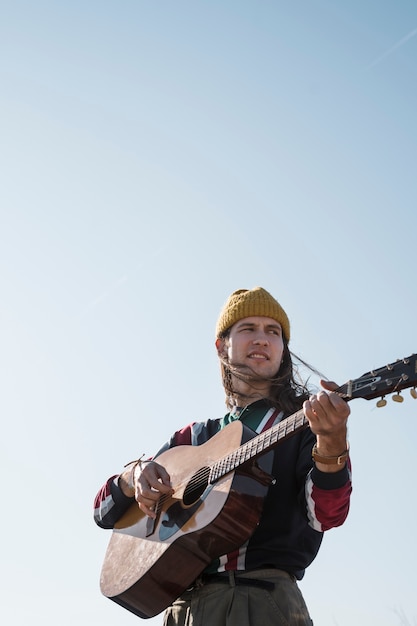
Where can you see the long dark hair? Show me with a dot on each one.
(287, 392)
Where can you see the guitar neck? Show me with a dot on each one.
(389, 379)
(259, 444)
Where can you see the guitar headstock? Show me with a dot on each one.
(385, 380)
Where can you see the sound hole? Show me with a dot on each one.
(196, 486)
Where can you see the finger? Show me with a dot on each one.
(147, 494)
(333, 401)
(339, 405)
(157, 486)
(317, 403)
(157, 477)
(329, 385)
(164, 476)
(308, 408)
(146, 498)
(149, 510)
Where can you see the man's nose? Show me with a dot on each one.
(261, 339)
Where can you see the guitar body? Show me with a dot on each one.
(150, 563)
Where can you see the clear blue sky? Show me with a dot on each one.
(156, 156)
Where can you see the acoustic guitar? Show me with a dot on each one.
(219, 492)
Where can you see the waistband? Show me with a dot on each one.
(255, 578)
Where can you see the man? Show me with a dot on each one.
(256, 583)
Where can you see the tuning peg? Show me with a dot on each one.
(413, 392)
(397, 397)
(382, 402)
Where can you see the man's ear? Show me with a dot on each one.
(221, 347)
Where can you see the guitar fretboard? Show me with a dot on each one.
(259, 444)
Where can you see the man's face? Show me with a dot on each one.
(256, 343)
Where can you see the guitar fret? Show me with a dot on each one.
(254, 447)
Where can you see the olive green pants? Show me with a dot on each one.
(268, 597)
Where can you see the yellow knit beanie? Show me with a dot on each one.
(248, 302)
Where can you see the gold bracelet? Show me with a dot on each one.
(330, 460)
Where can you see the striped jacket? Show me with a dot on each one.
(298, 508)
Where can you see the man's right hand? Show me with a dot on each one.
(150, 480)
